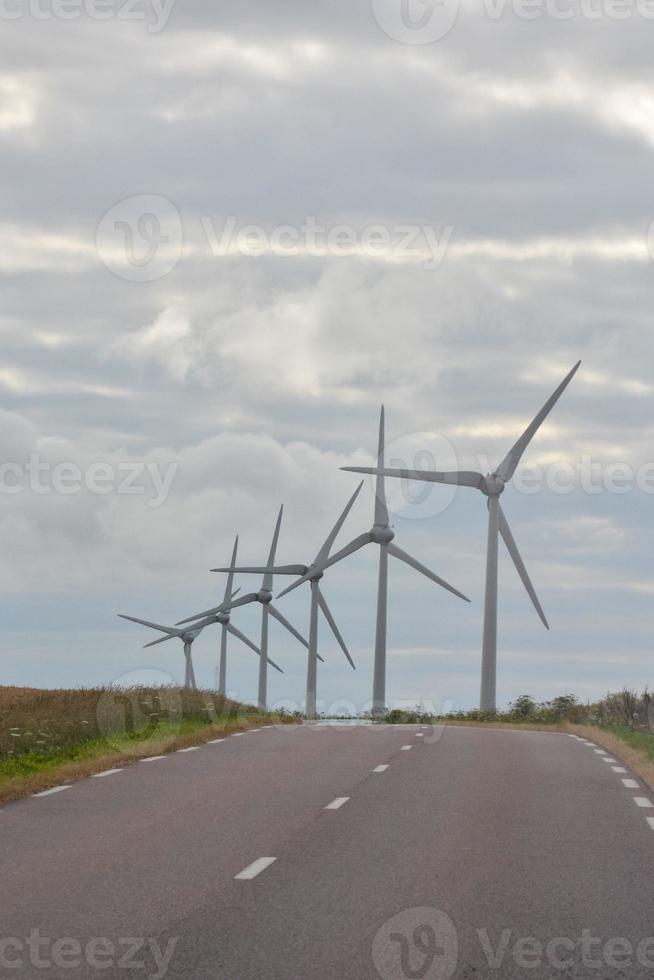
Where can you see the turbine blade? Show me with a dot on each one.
(409, 560)
(512, 548)
(230, 574)
(243, 601)
(381, 509)
(267, 583)
(291, 629)
(154, 626)
(343, 553)
(262, 569)
(242, 637)
(331, 537)
(334, 628)
(462, 478)
(507, 467)
(162, 639)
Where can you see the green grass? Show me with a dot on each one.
(47, 737)
(640, 741)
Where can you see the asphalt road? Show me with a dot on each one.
(473, 854)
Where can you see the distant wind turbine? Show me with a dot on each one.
(224, 619)
(492, 486)
(381, 534)
(187, 636)
(313, 573)
(264, 597)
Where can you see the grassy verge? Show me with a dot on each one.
(634, 748)
(53, 737)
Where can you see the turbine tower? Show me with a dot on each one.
(381, 534)
(264, 597)
(492, 486)
(313, 573)
(224, 619)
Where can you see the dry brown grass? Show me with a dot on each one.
(52, 737)
(635, 758)
(506, 725)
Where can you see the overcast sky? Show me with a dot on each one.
(447, 207)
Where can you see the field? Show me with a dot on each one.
(48, 736)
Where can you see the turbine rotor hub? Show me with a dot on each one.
(493, 485)
(264, 596)
(223, 618)
(382, 534)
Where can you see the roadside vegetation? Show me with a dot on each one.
(622, 722)
(52, 736)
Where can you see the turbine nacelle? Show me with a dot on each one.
(492, 485)
(381, 534)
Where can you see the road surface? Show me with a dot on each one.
(398, 853)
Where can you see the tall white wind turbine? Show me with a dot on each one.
(492, 486)
(264, 597)
(382, 535)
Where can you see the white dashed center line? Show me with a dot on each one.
(405, 748)
(108, 772)
(337, 803)
(419, 735)
(254, 869)
(643, 801)
(631, 784)
(51, 792)
(380, 769)
(153, 758)
(650, 821)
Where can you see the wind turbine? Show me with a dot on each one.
(191, 633)
(381, 534)
(313, 573)
(492, 486)
(223, 617)
(264, 597)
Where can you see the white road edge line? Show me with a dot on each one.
(215, 741)
(193, 748)
(650, 821)
(153, 758)
(643, 801)
(337, 803)
(107, 772)
(405, 748)
(238, 734)
(380, 769)
(601, 751)
(607, 758)
(631, 783)
(254, 869)
(419, 735)
(51, 792)
(618, 768)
